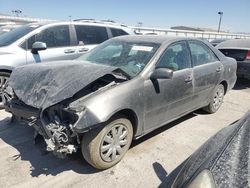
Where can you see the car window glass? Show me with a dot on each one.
(15, 34)
(201, 54)
(57, 36)
(131, 57)
(117, 32)
(110, 52)
(91, 34)
(176, 57)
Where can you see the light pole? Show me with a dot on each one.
(139, 24)
(221, 14)
(16, 12)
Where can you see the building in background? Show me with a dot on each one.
(7, 20)
(187, 28)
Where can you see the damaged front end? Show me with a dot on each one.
(58, 123)
(55, 125)
(63, 124)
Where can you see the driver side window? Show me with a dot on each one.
(175, 57)
(57, 36)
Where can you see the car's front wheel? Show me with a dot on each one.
(217, 99)
(4, 93)
(105, 147)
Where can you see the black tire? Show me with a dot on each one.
(94, 141)
(4, 75)
(216, 100)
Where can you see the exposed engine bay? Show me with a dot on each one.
(56, 123)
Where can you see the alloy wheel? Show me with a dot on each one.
(5, 91)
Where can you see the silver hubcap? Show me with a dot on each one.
(114, 142)
(5, 94)
(218, 98)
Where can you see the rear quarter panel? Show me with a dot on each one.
(229, 74)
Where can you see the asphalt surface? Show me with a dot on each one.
(152, 161)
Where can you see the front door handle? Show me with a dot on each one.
(83, 49)
(69, 51)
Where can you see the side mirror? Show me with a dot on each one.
(161, 73)
(37, 46)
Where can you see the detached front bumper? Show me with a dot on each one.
(18, 108)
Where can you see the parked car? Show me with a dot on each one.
(223, 161)
(238, 49)
(215, 42)
(119, 91)
(7, 28)
(38, 42)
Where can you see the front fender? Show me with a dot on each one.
(86, 121)
(6, 68)
(99, 108)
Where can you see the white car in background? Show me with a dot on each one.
(50, 41)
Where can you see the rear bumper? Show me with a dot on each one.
(243, 70)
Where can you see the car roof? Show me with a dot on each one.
(106, 24)
(160, 39)
(219, 40)
(235, 43)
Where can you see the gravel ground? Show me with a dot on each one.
(152, 160)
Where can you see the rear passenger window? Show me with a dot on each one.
(57, 36)
(201, 54)
(91, 34)
(175, 57)
(117, 32)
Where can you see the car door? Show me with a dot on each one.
(166, 99)
(89, 36)
(57, 39)
(207, 71)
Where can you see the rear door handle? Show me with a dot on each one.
(69, 51)
(83, 49)
(188, 79)
(218, 69)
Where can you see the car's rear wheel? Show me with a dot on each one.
(105, 147)
(4, 93)
(217, 99)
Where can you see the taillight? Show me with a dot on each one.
(248, 55)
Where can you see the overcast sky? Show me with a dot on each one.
(152, 13)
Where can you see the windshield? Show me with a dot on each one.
(2, 31)
(131, 57)
(10, 37)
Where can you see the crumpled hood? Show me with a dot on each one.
(43, 85)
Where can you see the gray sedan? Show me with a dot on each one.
(122, 90)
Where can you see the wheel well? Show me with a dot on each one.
(5, 70)
(130, 115)
(224, 83)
